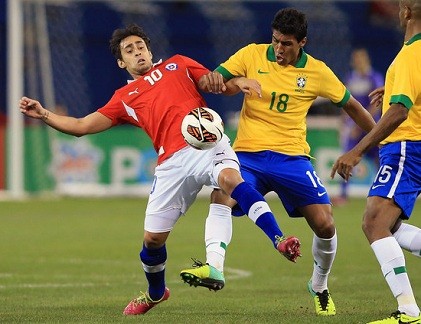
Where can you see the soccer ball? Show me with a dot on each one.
(202, 128)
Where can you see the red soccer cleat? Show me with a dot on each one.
(289, 247)
(143, 303)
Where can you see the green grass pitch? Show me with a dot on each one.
(76, 261)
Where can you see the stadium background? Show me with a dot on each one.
(85, 76)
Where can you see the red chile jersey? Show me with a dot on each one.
(158, 101)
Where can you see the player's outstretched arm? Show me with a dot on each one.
(90, 124)
(213, 82)
(359, 114)
(249, 87)
(376, 97)
(394, 116)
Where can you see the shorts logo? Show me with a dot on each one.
(376, 186)
(320, 194)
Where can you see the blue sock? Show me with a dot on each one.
(246, 197)
(153, 261)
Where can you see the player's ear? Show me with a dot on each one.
(121, 64)
(303, 42)
(408, 13)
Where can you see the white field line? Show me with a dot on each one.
(49, 285)
(230, 274)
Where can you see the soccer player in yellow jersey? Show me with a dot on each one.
(282, 81)
(397, 185)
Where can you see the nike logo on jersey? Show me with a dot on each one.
(133, 92)
(321, 193)
(262, 72)
(376, 186)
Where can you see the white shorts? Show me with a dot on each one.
(178, 180)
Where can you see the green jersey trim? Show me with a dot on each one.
(301, 63)
(344, 100)
(270, 54)
(401, 99)
(414, 38)
(225, 73)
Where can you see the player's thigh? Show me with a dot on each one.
(381, 213)
(253, 171)
(297, 184)
(175, 187)
(320, 219)
(224, 165)
(398, 178)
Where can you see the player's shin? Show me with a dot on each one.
(218, 234)
(392, 262)
(257, 209)
(153, 262)
(324, 251)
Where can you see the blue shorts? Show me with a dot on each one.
(399, 175)
(292, 178)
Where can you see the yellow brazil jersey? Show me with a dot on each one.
(277, 121)
(403, 85)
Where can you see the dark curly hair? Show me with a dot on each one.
(122, 33)
(290, 21)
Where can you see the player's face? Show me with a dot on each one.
(287, 48)
(136, 57)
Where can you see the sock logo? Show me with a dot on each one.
(257, 209)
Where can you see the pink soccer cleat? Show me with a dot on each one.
(143, 303)
(289, 247)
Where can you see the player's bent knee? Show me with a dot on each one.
(154, 240)
(325, 228)
(228, 179)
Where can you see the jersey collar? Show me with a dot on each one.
(301, 63)
(153, 65)
(414, 39)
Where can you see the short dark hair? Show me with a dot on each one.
(122, 33)
(290, 21)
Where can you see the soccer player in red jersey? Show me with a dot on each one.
(156, 100)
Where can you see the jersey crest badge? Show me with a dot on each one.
(301, 82)
(171, 66)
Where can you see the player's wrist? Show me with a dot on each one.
(44, 115)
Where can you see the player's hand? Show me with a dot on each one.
(213, 82)
(31, 108)
(250, 87)
(376, 97)
(345, 163)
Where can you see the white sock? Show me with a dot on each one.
(324, 251)
(392, 262)
(409, 238)
(218, 234)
